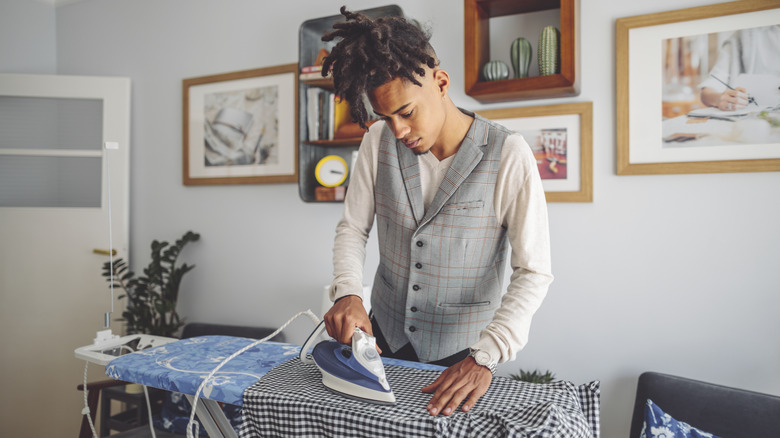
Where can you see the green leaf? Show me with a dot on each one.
(152, 296)
(535, 376)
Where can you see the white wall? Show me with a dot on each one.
(675, 273)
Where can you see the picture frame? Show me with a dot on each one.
(561, 137)
(655, 77)
(241, 127)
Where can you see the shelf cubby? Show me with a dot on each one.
(477, 15)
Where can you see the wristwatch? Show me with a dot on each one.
(483, 358)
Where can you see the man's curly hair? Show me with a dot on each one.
(372, 53)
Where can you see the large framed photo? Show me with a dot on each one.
(698, 90)
(241, 127)
(561, 138)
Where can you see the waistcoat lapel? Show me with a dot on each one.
(410, 170)
(466, 159)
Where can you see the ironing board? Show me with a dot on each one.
(182, 365)
(280, 396)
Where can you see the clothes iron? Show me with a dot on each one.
(355, 371)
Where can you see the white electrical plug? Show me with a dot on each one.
(104, 337)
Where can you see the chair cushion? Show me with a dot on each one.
(659, 424)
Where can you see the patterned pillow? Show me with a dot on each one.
(659, 424)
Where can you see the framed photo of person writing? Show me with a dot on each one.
(561, 138)
(698, 90)
(241, 127)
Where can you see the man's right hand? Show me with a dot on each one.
(346, 314)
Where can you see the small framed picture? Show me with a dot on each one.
(241, 127)
(698, 90)
(561, 138)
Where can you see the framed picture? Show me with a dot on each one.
(241, 127)
(561, 138)
(698, 90)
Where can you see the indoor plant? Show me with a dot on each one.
(151, 297)
(535, 376)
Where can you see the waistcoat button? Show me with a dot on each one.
(419, 243)
(413, 309)
(412, 328)
(418, 265)
(416, 287)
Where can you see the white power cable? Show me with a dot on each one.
(86, 409)
(192, 422)
(149, 411)
(107, 322)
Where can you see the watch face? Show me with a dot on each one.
(331, 171)
(482, 357)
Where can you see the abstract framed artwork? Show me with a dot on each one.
(698, 90)
(241, 127)
(561, 138)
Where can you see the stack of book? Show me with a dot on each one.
(311, 72)
(328, 116)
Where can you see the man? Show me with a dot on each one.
(448, 190)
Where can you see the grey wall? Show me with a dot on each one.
(674, 273)
(27, 37)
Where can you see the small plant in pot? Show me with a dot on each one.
(535, 376)
(151, 297)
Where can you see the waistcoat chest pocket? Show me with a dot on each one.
(464, 207)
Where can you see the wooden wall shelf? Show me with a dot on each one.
(325, 83)
(351, 141)
(477, 14)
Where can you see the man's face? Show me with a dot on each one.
(415, 114)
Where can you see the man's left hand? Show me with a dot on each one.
(463, 381)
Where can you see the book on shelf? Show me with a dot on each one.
(311, 68)
(312, 116)
(311, 72)
(329, 117)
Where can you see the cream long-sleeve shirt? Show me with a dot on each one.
(520, 206)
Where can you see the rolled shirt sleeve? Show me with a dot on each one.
(521, 207)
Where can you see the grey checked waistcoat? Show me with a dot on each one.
(440, 271)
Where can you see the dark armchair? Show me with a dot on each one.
(720, 410)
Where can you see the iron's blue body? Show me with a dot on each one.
(339, 360)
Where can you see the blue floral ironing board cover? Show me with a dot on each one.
(182, 365)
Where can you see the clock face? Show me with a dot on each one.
(331, 171)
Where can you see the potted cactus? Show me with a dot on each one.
(549, 53)
(520, 52)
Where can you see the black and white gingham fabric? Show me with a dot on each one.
(290, 401)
